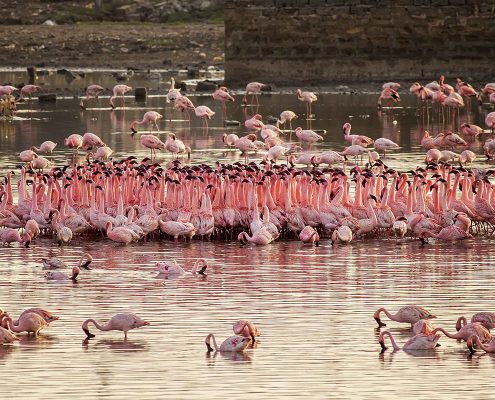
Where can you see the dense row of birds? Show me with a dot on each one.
(129, 199)
(475, 333)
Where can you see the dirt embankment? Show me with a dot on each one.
(174, 34)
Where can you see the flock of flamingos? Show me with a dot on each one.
(130, 200)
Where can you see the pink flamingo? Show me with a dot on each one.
(361, 139)
(119, 91)
(62, 276)
(408, 314)
(309, 235)
(254, 123)
(487, 319)
(222, 95)
(468, 330)
(10, 235)
(74, 142)
(287, 116)
(471, 129)
(308, 98)
(205, 113)
(27, 155)
(28, 90)
(29, 322)
(246, 329)
(90, 140)
(417, 342)
(490, 121)
(121, 234)
(148, 117)
(123, 322)
(475, 340)
(91, 91)
(308, 135)
(172, 268)
(7, 336)
(391, 85)
(7, 90)
(45, 147)
(385, 144)
(388, 94)
(231, 344)
(152, 143)
(254, 88)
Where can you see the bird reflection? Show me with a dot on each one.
(228, 355)
(6, 350)
(116, 345)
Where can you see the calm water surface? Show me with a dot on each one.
(314, 306)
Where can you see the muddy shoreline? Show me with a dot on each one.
(112, 45)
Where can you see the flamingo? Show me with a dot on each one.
(90, 140)
(46, 315)
(254, 88)
(254, 123)
(467, 157)
(261, 237)
(308, 135)
(7, 90)
(172, 268)
(176, 228)
(152, 143)
(10, 235)
(400, 227)
(176, 146)
(119, 91)
(62, 276)
(364, 141)
(309, 235)
(148, 117)
(121, 234)
(388, 94)
(91, 91)
(28, 90)
(391, 85)
(27, 156)
(490, 121)
(246, 329)
(408, 314)
(475, 340)
(74, 142)
(343, 234)
(487, 319)
(287, 116)
(173, 93)
(45, 147)
(230, 139)
(119, 322)
(308, 98)
(222, 95)
(468, 330)
(385, 144)
(57, 263)
(6, 336)
(205, 113)
(232, 344)
(29, 322)
(417, 342)
(102, 153)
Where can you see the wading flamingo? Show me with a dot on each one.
(309, 235)
(7, 336)
(172, 268)
(468, 330)
(287, 116)
(343, 234)
(152, 143)
(28, 90)
(254, 88)
(62, 276)
(487, 319)
(29, 322)
(45, 147)
(205, 113)
(231, 344)
(119, 91)
(149, 117)
(120, 322)
(57, 263)
(408, 314)
(475, 340)
(91, 91)
(417, 342)
(246, 329)
(308, 98)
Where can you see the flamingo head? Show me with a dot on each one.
(376, 316)
(346, 128)
(75, 272)
(27, 239)
(138, 322)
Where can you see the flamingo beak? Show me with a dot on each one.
(54, 318)
(146, 323)
(383, 346)
(210, 349)
(380, 323)
(88, 334)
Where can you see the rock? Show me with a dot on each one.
(49, 22)
(31, 71)
(181, 85)
(47, 98)
(192, 72)
(206, 86)
(140, 94)
(231, 122)
(271, 119)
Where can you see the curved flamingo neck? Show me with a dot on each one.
(208, 340)
(105, 327)
(392, 340)
(452, 336)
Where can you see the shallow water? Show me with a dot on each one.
(314, 306)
